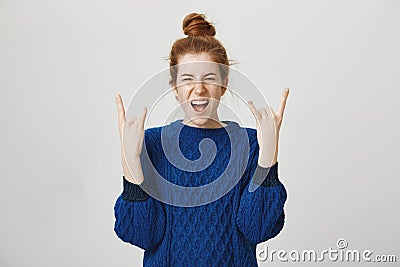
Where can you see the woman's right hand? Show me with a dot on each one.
(132, 143)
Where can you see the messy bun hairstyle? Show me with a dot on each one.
(200, 39)
(195, 24)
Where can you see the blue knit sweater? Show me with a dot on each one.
(224, 232)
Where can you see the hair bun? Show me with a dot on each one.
(195, 24)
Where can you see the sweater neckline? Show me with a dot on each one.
(230, 126)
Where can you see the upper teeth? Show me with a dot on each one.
(199, 102)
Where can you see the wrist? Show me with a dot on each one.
(132, 192)
(264, 159)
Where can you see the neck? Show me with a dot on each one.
(202, 122)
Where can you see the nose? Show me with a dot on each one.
(199, 87)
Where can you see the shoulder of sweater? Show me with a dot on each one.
(152, 134)
(251, 132)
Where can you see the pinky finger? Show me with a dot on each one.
(143, 118)
(254, 110)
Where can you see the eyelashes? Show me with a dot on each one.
(191, 79)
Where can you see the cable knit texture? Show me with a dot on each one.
(224, 232)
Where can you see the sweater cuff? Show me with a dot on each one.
(133, 192)
(266, 177)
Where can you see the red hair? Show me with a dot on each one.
(200, 39)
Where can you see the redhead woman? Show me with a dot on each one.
(226, 230)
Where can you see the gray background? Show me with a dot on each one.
(62, 62)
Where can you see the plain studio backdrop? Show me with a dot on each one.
(62, 62)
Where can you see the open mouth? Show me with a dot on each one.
(199, 105)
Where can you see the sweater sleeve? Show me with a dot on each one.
(139, 218)
(260, 214)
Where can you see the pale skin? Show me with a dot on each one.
(262, 118)
(135, 127)
(195, 64)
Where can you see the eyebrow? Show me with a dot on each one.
(187, 74)
(210, 73)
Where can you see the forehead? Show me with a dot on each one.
(199, 64)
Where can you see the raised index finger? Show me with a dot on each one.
(120, 109)
(254, 110)
(282, 103)
(144, 112)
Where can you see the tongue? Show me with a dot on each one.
(199, 108)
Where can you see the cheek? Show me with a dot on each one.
(184, 94)
(217, 94)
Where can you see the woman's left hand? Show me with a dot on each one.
(262, 129)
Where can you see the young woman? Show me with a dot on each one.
(225, 231)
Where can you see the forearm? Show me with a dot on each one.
(260, 215)
(265, 156)
(139, 221)
(136, 174)
(139, 218)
